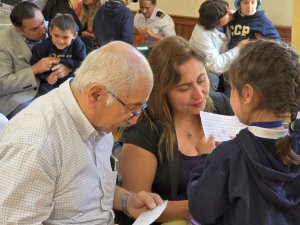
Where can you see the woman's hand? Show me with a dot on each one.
(209, 145)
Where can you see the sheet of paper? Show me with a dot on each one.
(150, 216)
(223, 127)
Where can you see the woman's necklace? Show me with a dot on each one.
(188, 135)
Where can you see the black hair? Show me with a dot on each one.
(210, 13)
(21, 11)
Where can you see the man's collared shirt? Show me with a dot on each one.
(55, 165)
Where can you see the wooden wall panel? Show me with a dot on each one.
(184, 27)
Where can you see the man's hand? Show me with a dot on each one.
(60, 70)
(142, 201)
(150, 33)
(44, 64)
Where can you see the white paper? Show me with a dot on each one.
(150, 216)
(223, 127)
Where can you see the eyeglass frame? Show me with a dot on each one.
(134, 113)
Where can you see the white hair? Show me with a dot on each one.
(110, 69)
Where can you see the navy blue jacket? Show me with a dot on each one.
(242, 27)
(243, 182)
(113, 21)
(71, 57)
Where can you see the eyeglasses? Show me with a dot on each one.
(134, 113)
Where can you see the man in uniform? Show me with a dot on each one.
(151, 22)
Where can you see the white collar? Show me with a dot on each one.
(268, 133)
(154, 13)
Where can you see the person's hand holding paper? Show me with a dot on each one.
(222, 127)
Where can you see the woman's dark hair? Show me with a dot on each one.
(165, 60)
(273, 70)
(210, 13)
(21, 11)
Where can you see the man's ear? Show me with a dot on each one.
(94, 93)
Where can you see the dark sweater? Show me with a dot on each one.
(71, 57)
(113, 21)
(242, 27)
(242, 182)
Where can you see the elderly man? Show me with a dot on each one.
(18, 83)
(55, 154)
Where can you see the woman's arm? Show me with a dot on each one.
(138, 168)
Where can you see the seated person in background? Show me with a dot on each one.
(210, 39)
(113, 21)
(250, 22)
(55, 155)
(255, 178)
(166, 143)
(64, 45)
(86, 11)
(152, 23)
(53, 7)
(19, 85)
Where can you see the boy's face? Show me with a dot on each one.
(62, 39)
(248, 7)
